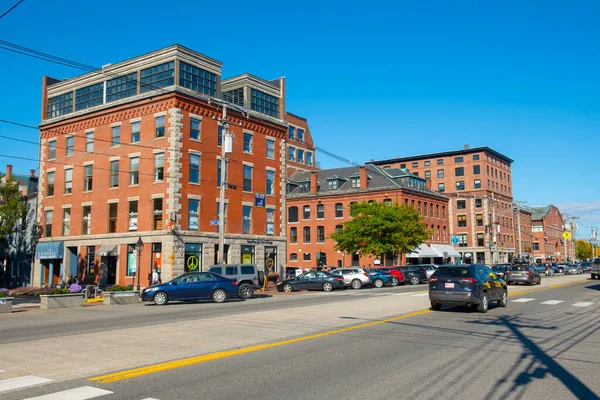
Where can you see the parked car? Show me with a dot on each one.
(414, 274)
(247, 276)
(561, 267)
(500, 270)
(353, 277)
(192, 286)
(541, 268)
(595, 270)
(312, 280)
(466, 284)
(429, 269)
(397, 275)
(573, 269)
(379, 279)
(586, 266)
(523, 274)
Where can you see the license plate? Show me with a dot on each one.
(449, 285)
(518, 274)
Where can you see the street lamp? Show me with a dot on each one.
(139, 246)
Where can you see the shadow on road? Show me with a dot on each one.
(593, 287)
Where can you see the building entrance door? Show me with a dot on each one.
(111, 270)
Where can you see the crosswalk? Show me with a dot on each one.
(30, 381)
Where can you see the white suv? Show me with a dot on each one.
(353, 277)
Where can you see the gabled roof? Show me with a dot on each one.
(537, 213)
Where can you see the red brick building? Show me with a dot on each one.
(132, 152)
(547, 228)
(479, 184)
(319, 201)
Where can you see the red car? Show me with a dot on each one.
(397, 275)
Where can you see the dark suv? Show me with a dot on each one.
(473, 284)
(248, 277)
(414, 274)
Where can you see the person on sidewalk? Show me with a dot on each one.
(155, 277)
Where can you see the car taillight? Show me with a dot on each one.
(528, 273)
(472, 280)
(234, 283)
(365, 274)
(339, 278)
(432, 279)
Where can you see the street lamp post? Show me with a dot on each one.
(139, 246)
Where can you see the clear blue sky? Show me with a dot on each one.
(378, 81)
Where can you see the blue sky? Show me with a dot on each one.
(391, 79)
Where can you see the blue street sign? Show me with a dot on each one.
(454, 240)
(259, 200)
(214, 222)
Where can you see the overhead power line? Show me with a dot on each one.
(10, 9)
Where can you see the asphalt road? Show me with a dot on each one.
(544, 345)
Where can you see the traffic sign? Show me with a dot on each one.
(566, 235)
(454, 240)
(214, 222)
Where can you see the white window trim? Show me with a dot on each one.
(133, 155)
(158, 196)
(133, 198)
(113, 201)
(86, 203)
(161, 114)
(134, 120)
(114, 124)
(158, 151)
(249, 164)
(116, 158)
(53, 169)
(271, 169)
(88, 163)
(66, 206)
(48, 209)
(195, 197)
(90, 130)
(195, 152)
(68, 167)
(271, 207)
(196, 116)
(248, 203)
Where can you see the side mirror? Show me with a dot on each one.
(174, 283)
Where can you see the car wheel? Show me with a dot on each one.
(327, 287)
(395, 281)
(219, 296)
(436, 306)
(356, 284)
(414, 280)
(504, 301)
(161, 298)
(288, 288)
(246, 291)
(483, 306)
(378, 283)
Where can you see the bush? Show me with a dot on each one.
(74, 288)
(119, 288)
(3, 292)
(57, 291)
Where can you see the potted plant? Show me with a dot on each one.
(52, 298)
(120, 295)
(5, 301)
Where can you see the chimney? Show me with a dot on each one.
(364, 183)
(466, 147)
(8, 172)
(32, 172)
(428, 184)
(313, 182)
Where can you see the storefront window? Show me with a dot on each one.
(270, 260)
(133, 215)
(157, 257)
(90, 260)
(247, 254)
(270, 221)
(193, 206)
(193, 257)
(130, 259)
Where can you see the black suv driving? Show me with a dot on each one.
(467, 284)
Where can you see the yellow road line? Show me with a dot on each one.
(132, 373)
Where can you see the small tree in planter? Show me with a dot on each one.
(5, 301)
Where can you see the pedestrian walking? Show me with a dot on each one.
(155, 278)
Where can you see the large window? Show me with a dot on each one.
(90, 258)
(460, 185)
(194, 168)
(462, 240)
(320, 211)
(306, 212)
(247, 216)
(462, 221)
(157, 214)
(306, 238)
(194, 214)
(113, 209)
(291, 154)
(441, 187)
(478, 203)
(88, 173)
(220, 136)
(133, 216)
(458, 159)
(300, 135)
(459, 171)
(114, 173)
(68, 180)
(115, 135)
(440, 173)
(121, 87)
(480, 240)
(89, 142)
(247, 178)
(197, 79)
(476, 169)
(86, 220)
(89, 96)
(131, 262)
(157, 77)
(159, 126)
(270, 221)
(70, 141)
(48, 223)
(477, 183)
(320, 234)
(60, 105)
(194, 129)
(135, 132)
(270, 182)
(247, 142)
(355, 183)
(293, 214)
(270, 148)
(461, 204)
(300, 156)
(309, 158)
(134, 170)
(291, 133)
(66, 222)
(264, 103)
(219, 165)
(159, 167)
(50, 184)
(339, 210)
(479, 219)
(294, 235)
(427, 174)
(52, 150)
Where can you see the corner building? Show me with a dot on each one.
(478, 182)
(133, 151)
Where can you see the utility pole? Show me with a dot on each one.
(565, 240)
(493, 228)
(573, 238)
(226, 147)
(519, 227)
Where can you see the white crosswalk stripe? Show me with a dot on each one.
(80, 393)
(419, 294)
(21, 382)
(524, 300)
(583, 304)
(552, 302)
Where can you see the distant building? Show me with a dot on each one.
(319, 204)
(547, 227)
(478, 182)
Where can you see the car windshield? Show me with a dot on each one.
(518, 269)
(499, 268)
(451, 272)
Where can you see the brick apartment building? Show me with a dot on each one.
(132, 152)
(319, 204)
(478, 182)
(547, 225)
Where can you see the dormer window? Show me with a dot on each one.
(355, 183)
(304, 187)
(332, 185)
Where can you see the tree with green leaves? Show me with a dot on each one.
(12, 207)
(380, 230)
(583, 250)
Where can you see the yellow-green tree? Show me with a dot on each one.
(583, 250)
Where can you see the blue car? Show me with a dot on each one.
(192, 286)
(379, 278)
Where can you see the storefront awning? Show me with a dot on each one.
(445, 248)
(423, 251)
(107, 250)
(49, 250)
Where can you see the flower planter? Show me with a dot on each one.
(6, 305)
(52, 301)
(121, 298)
